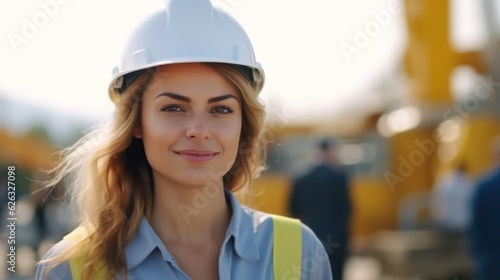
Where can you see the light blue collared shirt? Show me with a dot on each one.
(246, 253)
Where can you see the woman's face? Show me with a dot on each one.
(190, 125)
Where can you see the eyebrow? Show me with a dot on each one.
(188, 100)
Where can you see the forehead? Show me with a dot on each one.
(191, 77)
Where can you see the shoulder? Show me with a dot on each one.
(488, 181)
(304, 177)
(59, 272)
(339, 171)
(315, 262)
(265, 221)
(486, 191)
(302, 174)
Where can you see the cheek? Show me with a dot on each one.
(158, 132)
(230, 130)
(231, 138)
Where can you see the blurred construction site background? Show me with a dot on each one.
(435, 112)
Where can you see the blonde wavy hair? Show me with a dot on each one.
(110, 182)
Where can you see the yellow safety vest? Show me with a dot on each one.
(287, 249)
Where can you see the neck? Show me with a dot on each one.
(190, 215)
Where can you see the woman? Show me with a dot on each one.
(154, 190)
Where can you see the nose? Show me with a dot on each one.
(197, 128)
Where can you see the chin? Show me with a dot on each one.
(200, 180)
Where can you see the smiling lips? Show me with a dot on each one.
(196, 155)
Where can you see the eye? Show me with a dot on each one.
(223, 110)
(172, 108)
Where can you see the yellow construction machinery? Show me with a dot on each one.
(396, 157)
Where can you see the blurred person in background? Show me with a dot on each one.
(485, 223)
(154, 189)
(52, 217)
(320, 198)
(450, 201)
(40, 198)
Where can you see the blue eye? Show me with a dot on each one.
(172, 108)
(223, 110)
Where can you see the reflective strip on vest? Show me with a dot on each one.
(287, 250)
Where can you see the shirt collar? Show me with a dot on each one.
(241, 228)
(143, 244)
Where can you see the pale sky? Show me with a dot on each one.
(58, 54)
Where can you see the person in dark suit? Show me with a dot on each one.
(320, 198)
(485, 224)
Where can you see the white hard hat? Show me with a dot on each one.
(187, 31)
